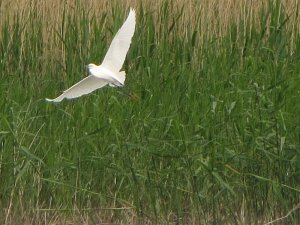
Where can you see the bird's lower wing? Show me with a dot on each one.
(85, 86)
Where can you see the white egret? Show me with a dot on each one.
(109, 71)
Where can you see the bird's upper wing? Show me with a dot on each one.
(83, 87)
(118, 49)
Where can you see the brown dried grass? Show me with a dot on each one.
(212, 18)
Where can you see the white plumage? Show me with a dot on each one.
(109, 71)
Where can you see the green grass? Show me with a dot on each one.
(201, 132)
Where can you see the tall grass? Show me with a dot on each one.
(206, 130)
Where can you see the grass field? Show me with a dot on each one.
(205, 131)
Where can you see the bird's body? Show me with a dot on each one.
(109, 71)
(113, 78)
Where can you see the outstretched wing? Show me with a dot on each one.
(118, 49)
(83, 87)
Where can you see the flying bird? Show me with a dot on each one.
(109, 71)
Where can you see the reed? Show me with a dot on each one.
(205, 131)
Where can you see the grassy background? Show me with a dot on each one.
(206, 130)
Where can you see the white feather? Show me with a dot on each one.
(118, 49)
(109, 71)
(83, 87)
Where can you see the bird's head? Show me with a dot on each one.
(91, 66)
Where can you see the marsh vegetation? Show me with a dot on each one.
(206, 130)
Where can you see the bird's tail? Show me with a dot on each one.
(121, 77)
